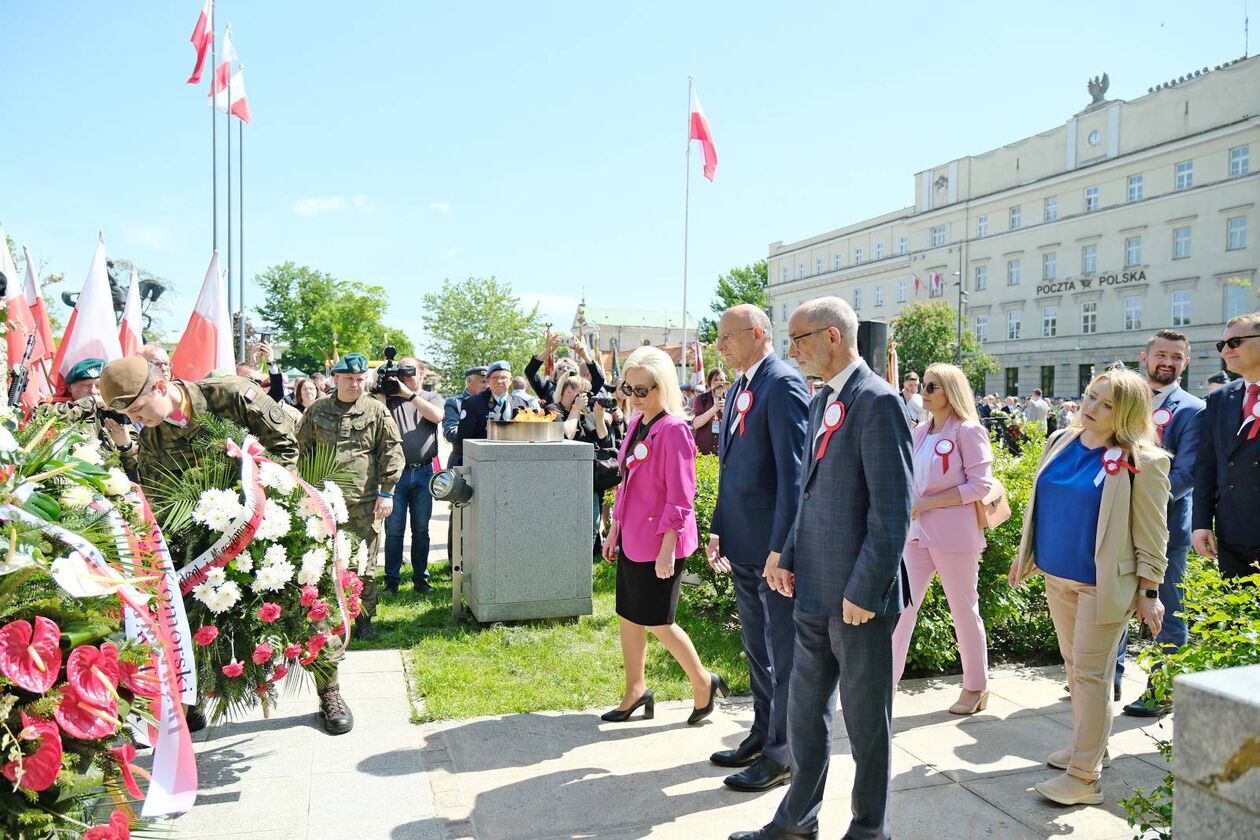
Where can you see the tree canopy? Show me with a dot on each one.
(927, 332)
(477, 321)
(739, 285)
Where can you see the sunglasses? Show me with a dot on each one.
(1235, 342)
(637, 391)
(932, 388)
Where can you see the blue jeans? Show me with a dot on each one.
(411, 499)
(1173, 634)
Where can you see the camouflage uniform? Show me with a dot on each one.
(368, 447)
(87, 411)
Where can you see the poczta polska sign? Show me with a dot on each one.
(1114, 278)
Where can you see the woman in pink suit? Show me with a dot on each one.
(952, 469)
(653, 531)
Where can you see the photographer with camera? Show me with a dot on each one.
(546, 388)
(585, 415)
(418, 414)
(706, 410)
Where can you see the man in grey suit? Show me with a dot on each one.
(842, 563)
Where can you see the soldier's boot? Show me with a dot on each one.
(363, 628)
(336, 715)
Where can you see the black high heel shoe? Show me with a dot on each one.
(647, 701)
(719, 688)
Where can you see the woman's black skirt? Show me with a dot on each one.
(642, 597)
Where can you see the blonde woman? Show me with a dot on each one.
(953, 468)
(653, 531)
(1096, 527)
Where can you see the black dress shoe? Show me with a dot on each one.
(766, 773)
(424, 588)
(773, 832)
(717, 687)
(1147, 707)
(647, 700)
(745, 754)
(390, 587)
(334, 712)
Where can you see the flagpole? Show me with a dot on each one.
(214, 139)
(686, 222)
(240, 173)
(227, 120)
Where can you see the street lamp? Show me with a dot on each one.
(962, 298)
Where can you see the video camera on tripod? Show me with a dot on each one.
(388, 374)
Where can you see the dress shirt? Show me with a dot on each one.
(1160, 395)
(741, 385)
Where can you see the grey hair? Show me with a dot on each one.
(832, 312)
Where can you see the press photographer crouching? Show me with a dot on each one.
(585, 415)
(418, 414)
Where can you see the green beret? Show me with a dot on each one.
(123, 380)
(351, 363)
(86, 369)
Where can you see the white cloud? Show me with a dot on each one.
(442, 207)
(450, 252)
(315, 205)
(361, 202)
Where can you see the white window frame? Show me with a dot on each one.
(1240, 303)
(879, 294)
(800, 271)
(1183, 243)
(1183, 175)
(1012, 272)
(982, 328)
(857, 298)
(837, 261)
(981, 278)
(1050, 265)
(903, 246)
(1051, 208)
(1181, 308)
(901, 290)
(936, 236)
(1049, 321)
(818, 265)
(1137, 187)
(1089, 258)
(1016, 218)
(1133, 312)
(1089, 317)
(1132, 251)
(857, 256)
(786, 273)
(1239, 161)
(1014, 324)
(1236, 233)
(982, 226)
(1092, 200)
(879, 250)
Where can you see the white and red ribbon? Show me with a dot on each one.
(833, 419)
(638, 454)
(1254, 420)
(944, 448)
(1162, 418)
(1113, 461)
(743, 404)
(330, 523)
(233, 541)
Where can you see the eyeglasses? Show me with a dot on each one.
(637, 390)
(932, 388)
(1235, 342)
(797, 339)
(722, 339)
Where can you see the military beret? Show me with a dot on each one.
(351, 363)
(86, 369)
(123, 380)
(499, 365)
(480, 370)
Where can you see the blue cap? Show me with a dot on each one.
(480, 370)
(502, 364)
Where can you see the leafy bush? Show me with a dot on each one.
(715, 593)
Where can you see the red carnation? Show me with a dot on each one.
(206, 634)
(308, 659)
(268, 612)
(319, 612)
(262, 654)
(281, 672)
(292, 651)
(261, 689)
(316, 643)
(309, 595)
(233, 669)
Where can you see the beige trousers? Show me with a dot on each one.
(1089, 654)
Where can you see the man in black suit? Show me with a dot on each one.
(1227, 473)
(760, 449)
(842, 563)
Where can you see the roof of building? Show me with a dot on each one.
(644, 318)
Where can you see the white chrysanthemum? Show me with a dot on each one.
(316, 529)
(76, 496)
(337, 501)
(216, 577)
(117, 483)
(223, 600)
(316, 556)
(361, 557)
(88, 453)
(231, 590)
(203, 592)
(275, 554)
(276, 477)
(244, 562)
(218, 509)
(273, 577)
(310, 575)
(276, 521)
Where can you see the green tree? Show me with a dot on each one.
(311, 310)
(928, 332)
(477, 321)
(739, 285)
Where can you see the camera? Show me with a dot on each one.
(117, 416)
(388, 374)
(608, 401)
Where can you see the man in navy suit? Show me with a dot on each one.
(1227, 476)
(1178, 416)
(760, 448)
(842, 563)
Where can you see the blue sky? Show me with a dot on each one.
(401, 143)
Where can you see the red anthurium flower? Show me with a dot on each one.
(280, 673)
(125, 755)
(94, 672)
(39, 769)
(82, 719)
(262, 653)
(233, 669)
(141, 679)
(268, 612)
(309, 595)
(292, 651)
(318, 612)
(31, 659)
(117, 829)
(206, 634)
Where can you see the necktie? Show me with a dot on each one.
(820, 405)
(1249, 402)
(730, 416)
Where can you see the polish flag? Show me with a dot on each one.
(92, 332)
(700, 131)
(916, 283)
(206, 344)
(35, 300)
(936, 282)
(130, 330)
(21, 326)
(222, 73)
(202, 38)
(236, 92)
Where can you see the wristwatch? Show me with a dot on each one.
(1153, 594)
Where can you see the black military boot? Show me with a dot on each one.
(337, 717)
(363, 628)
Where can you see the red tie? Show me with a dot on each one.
(1249, 402)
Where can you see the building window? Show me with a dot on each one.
(1016, 214)
(903, 246)
(785, 315)
(1091, 199)
(982, 328)
(1089, 317)
(837, 261)
(1012, 325)
(1181, 309)
(982, 226)
(1052, 208)
(1236, 233)
(785, 348)
(1047, 380)
(818, 265)
(1132, 251)
(1049, 266)
(1135, 188)
(1049, 321)
(879, 250)
(901, 290)
(857, 256)
(1181, 243)
(1185, 175)
(879, 294)
(936, 237)
(1012, 272)
(800, 270)
(1012, 382)
(785, 274)
(1235, 300)
(1133, 313)
(982, 278)
(1089, 259)
(1239, 161)
(857, 298)
(1084, 375)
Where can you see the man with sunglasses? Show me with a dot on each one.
(1227, 473)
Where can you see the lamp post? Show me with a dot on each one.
(962, 298)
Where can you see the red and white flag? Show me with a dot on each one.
(202, 38)
(92, 332)
(936, 282)
(697, 373)
(206, 344)
(130, 331)
(222, 73)
(916, 283)
(35, 300)
(236, 93)
(700, 131)
(21, 326)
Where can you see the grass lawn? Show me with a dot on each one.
(465, 669)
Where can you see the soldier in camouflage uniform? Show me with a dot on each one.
(369, 448)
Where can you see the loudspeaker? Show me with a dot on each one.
(873, 346)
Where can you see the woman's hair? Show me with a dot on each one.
(713, 374)
(579, 383)
(661, 368)
(297, 391)
(957, 389)
(1130, 409)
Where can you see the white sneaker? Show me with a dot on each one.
(1059, 759)
(1069, 790)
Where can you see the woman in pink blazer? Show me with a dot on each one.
(653, 531)
(952, 469)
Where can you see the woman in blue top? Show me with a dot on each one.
(1096, 527)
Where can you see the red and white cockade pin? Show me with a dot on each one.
(1254, 420)
(944, 448)
(743, 403)
(638, 455)
(1162, 418)
(1113, 461)
(833, 419)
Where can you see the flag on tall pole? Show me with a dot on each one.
(92, 332)
(697, 129)
(21, 325)
(130, 331)
(202, 38)
(700, 131)
(219, 87)
(35, 300)
(239, 106)
(206, 344)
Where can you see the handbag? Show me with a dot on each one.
(994, 508)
